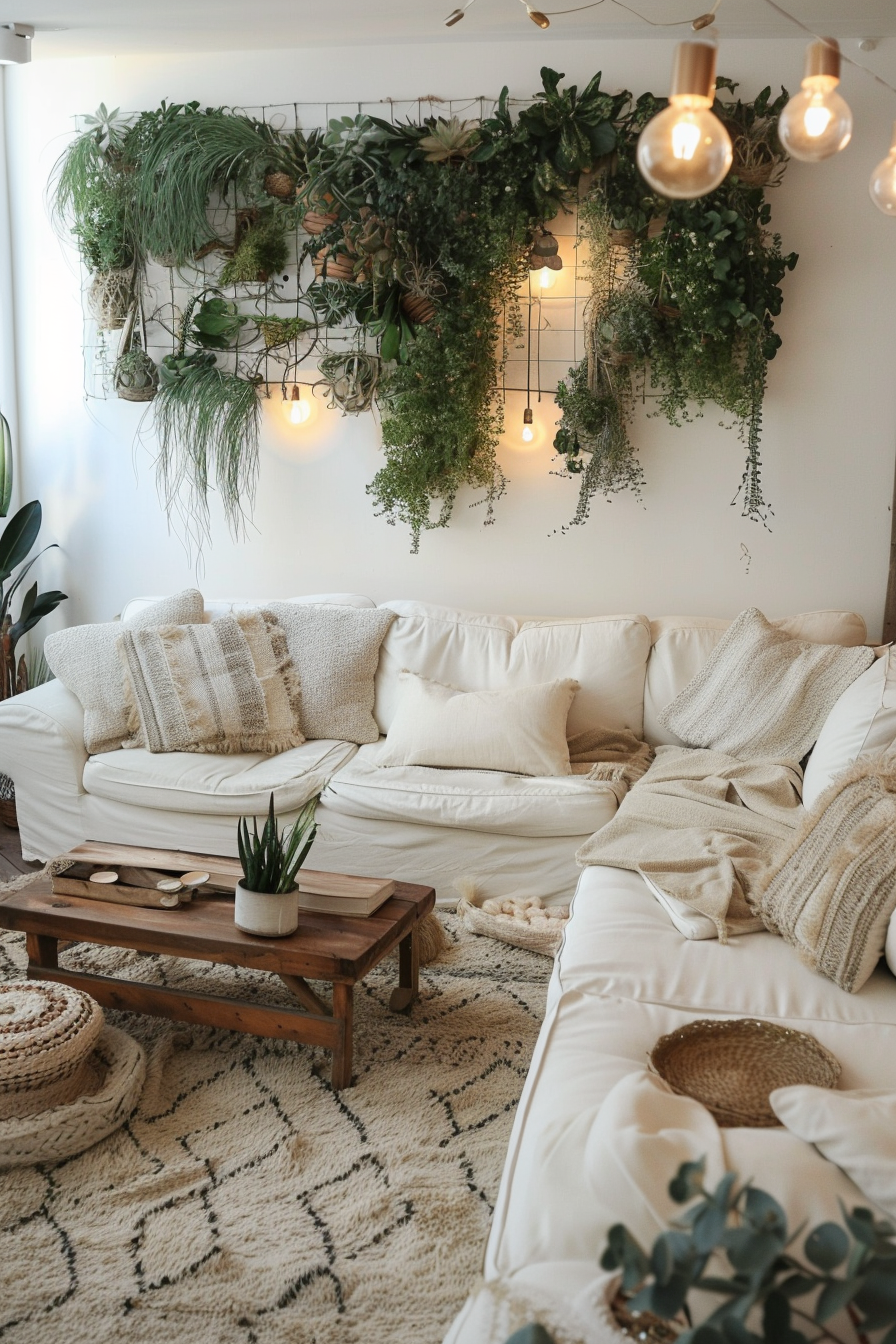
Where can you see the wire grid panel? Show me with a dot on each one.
(553, 314)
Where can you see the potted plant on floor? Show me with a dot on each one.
(267, 899)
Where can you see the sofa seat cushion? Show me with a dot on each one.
(183, 781)
(476, 800)
(621, 942)
(566, 1171)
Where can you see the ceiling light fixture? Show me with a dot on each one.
(684, 151)
(817, 122)
(15, 43)
(539, 19)
(883, 181)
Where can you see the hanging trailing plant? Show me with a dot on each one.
(686, 292)
(207, 421)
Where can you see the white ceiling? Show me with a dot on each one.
(95, 27)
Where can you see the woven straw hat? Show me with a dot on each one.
(66, 1079)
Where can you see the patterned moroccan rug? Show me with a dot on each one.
(247, 1203)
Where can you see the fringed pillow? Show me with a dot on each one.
(225, 687)
(834, 892)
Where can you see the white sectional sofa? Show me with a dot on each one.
(624, 975)
(512, 834)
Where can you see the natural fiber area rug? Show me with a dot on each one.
(247, 1203)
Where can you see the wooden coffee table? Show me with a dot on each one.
(331, 948)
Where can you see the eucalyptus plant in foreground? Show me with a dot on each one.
(734, 1242)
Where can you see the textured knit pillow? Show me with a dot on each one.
(85, 660)
(225, 687)
(761, 694)
(521, 730)
(832, 894)
(335, 651)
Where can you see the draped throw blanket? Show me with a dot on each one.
(613, 755)
(706, 828)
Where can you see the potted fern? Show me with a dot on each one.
(267, 898)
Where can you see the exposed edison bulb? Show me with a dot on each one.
(883, 180)
(817, 122)
(295, 410)
(528, 431)
(684, 151)
(546, 278)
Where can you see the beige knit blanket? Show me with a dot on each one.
(613, 755)
(833, 890)
(706, 829)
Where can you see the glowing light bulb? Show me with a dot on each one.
(684, 151)
(817, 123)
(883, 181)
(295, 410)
(546, 278)
(528, 431)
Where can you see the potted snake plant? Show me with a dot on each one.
(267, 898)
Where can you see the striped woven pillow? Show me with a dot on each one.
(225, 687)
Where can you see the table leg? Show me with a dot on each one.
(42, 950)
(343, 1013)
(408, 973)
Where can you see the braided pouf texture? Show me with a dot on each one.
(62, 1131)
(48, 1032)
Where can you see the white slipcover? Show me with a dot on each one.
(607, 655)
(223, 785)
(478, 800)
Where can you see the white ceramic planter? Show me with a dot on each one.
(265, 914)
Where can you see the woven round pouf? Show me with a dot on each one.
(733, 1065)
(63, 1131)
(48, 1033)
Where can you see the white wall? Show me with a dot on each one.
(830, 416)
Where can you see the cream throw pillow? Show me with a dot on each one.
(335, 651)
(856, 1130)
(520, 730)
(863, 720)
(86, 661)
(225, 687)
(762, 695)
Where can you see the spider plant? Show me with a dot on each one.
(272, 860)
(18, 537)
(190, 157)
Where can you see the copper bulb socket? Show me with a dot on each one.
(823, 58)
(538, 18)
(694, 71)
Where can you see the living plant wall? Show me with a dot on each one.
(410, 244)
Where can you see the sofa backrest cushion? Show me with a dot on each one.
(217, 607)
(682, 644)
(607, 655)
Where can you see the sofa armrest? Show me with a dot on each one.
(42, 750)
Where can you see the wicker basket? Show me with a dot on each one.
(733, 1066)
(418, 308)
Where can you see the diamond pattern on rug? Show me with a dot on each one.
(245, 1202)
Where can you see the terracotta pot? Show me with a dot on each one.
(418, 308)
(333, 266)
(623, 237)
(265, 913)
(315, 223)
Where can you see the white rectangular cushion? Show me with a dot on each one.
(217, 607)
(227, 785)
(476, 800)
(680, 645)
(473, 651)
